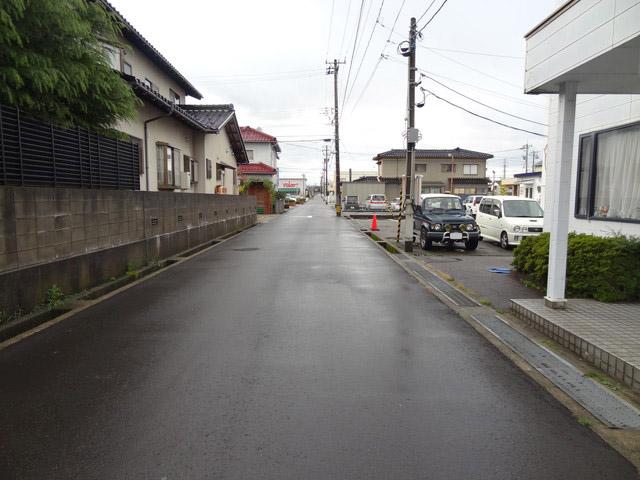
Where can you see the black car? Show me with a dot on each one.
(441, 218)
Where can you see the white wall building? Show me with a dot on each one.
(587, 53)
(261, 147)
(294, 186)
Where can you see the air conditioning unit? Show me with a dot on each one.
(185, 180)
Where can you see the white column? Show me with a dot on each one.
(561, 186)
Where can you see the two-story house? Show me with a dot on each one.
(458, 171)
(261, 148)
(189, 148)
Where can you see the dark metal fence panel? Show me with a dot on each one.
(37, 153)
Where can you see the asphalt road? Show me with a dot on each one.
(296, 350)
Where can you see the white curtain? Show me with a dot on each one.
(618, 174)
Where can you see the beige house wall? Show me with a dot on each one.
(142, 67)
(394, 167)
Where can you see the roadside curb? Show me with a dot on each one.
(626, 442)
(41, 320)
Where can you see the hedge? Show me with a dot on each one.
(604, 268)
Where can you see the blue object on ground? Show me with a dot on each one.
(500, 270)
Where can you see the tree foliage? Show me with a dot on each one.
(53, 63)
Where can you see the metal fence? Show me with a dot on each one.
(37, 153)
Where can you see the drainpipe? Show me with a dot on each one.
(146, 149)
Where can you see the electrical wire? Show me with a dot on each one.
(355, 78)
(488, 75)
(382, 57)
(333, 4)
(346, 23)
(470, 52)
(355, 41)
(483, 117)
(425, 12)
(484, 104)
(432, 17)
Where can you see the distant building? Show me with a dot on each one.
(294, 186)
(458, 171)
(261, 147)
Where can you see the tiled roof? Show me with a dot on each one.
(143, 44)
(252, 135)
(458, 153)
(372, 179)
(528, 174)
(256, 169)
(213, 117)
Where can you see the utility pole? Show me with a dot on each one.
(526, 157)
(412, 138)
(333, 69)
(504, 169)
(326, 173)
(453, 171)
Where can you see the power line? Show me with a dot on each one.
(355, 79)
(432, 17)
(375, 68)
(498, 79)
(355, 40)
(346, 22)
(484, 104)
(483, 117)
(333, 4)
(425, 12)
(470, 52)
(261, 74)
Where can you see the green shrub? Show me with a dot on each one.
(604, 268)
(55, 297)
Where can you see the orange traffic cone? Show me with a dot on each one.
(374, 223)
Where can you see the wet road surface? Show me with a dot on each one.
(296, 350)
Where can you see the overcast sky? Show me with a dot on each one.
(268, 59)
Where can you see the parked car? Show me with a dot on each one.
(351, 203)
(376, 202)
(441, 218)
(508, 220)
(471, 204)
(395, 204)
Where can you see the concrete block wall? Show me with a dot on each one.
(78, 238)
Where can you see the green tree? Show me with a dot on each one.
(53, 63)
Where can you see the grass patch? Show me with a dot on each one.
(486, 303)
(391, 249)
(375, 237)
(585, 422)
(448, 277)
(601, 379)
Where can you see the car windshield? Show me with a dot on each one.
(522, 208)
(377, 198)
(442, 203)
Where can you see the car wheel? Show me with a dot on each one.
(471, 244)
(425, 243)
(504, 240)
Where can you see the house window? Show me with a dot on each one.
(470, 169)
(175, 98)
(219, 173)
(209, 169)
(250, 154)
(608, 183)
(421, 167)
(190, 166)
(168, 161)
(113, 56)
(447, 167)
(126, 68)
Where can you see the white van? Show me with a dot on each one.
(508, 220)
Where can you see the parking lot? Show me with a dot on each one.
(470, 269)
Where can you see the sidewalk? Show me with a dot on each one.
(605, 335)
